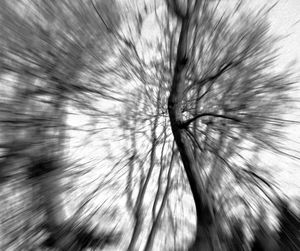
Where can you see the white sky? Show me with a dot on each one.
(285, 18)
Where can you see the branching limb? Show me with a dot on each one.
(173, 5)
(186, 123)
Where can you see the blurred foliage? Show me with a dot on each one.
(88, 156)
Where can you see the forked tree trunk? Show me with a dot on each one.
(204, 224)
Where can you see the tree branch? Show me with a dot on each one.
(174, 6)
(184, 124)
(222, 69)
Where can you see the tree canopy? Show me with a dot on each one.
(143, 126)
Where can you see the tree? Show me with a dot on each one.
(289, 227)
(51, 48)
(221, 73)
(194, 109)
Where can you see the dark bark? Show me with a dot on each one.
(204, 223)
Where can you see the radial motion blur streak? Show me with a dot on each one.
(146, 125)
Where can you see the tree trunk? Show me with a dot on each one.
(157, 220)
(204, 224)
(51, 190)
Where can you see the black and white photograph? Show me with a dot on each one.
(150, 125)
